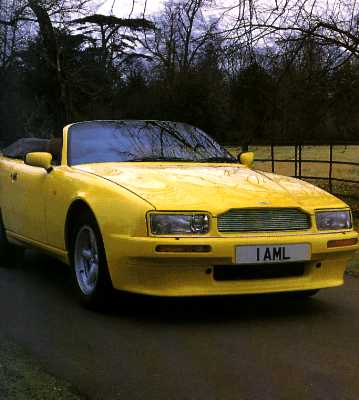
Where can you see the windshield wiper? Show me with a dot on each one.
(219, 159)
(157, 158)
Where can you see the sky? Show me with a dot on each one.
(122, 8)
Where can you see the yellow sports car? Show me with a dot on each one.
(160, 208)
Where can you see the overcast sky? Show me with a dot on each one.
(122, 8)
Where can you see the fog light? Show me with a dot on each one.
(169, 248)
(342, 242)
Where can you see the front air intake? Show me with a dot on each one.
(263, 219)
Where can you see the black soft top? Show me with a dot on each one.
(21, 147)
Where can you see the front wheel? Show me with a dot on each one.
(93, 282)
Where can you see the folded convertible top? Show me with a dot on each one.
(21, 147)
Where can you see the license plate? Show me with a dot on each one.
(272, 254)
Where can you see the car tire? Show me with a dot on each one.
(91, 277)
(10, 255)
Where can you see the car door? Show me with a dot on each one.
(28, 192)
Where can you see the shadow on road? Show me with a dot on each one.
(55, 279)
(219, 309)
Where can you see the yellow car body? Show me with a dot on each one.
(39, 205)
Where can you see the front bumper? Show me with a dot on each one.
(136, 266)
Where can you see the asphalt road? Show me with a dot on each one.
(219, 348)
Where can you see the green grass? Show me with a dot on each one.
(353, 266)
(22, 379)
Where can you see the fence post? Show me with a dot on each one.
(295, 161)
(300, 160)
(272, 156)
(330, 168)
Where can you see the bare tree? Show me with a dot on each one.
(182, 31)
(330, 23)
(12, 31)
(48, 16)
(51, 18)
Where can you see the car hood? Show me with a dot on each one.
(211, 187)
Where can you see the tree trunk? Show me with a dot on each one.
(54, 62)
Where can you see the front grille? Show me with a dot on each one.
(257, 271)
(263, 219)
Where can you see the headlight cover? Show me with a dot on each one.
(179, 224)
(333, 220)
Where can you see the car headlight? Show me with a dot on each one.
(332, 220)
(188, 224)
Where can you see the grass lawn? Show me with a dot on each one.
(22, 379)
(353, 266)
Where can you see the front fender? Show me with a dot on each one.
(116, 209)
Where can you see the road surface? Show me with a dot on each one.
(260, 347)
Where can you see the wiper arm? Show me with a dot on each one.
(159, 158)
(219, 159)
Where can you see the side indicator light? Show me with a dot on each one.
(342, 242)
(168, 248)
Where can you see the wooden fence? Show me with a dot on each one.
(298, 162)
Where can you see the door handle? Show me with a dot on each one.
(13, 176)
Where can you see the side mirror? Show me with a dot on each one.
(42, 160)
(246, 158)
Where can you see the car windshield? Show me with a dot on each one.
(126, 141)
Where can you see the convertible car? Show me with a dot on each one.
(160, 208)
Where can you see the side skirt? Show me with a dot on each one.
(19, 240)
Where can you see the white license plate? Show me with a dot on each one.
(272, 254)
